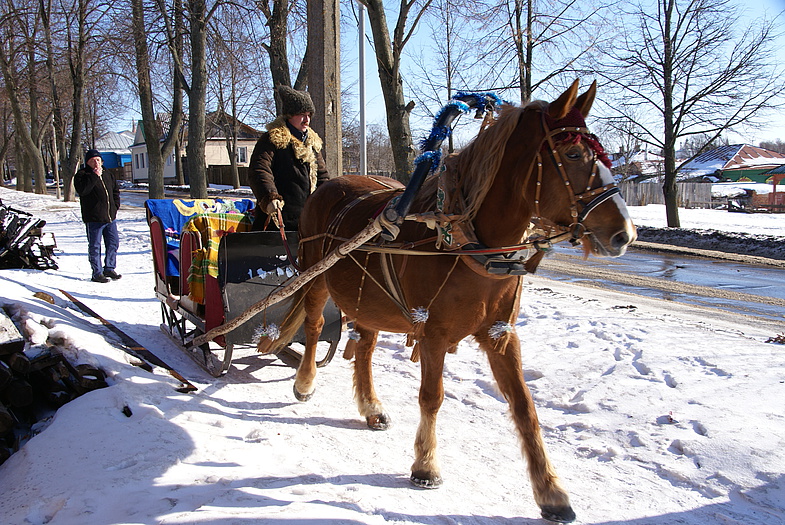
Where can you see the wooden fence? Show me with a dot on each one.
(690, 194)
(223, 175)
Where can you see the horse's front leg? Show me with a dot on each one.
(364, 392)
(314, 300)
(552, 499)
(425, 469)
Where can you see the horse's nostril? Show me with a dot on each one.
(620, 240)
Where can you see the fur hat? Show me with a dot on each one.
(91, 153)
(294, 102)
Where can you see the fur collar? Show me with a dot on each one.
(281, 138)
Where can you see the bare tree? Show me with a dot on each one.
(276, 13)
(530, 44)
(158, 151)
(18, 65)
(685, 62)
(773, 145)
(389, 52)
(380, 154)
(77, 36)
(701, 143)
(237, 86)
(442, 65)
(198, 15)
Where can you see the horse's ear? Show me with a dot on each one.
(585, 101)
(559, 108)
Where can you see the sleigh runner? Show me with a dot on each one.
(209, 268)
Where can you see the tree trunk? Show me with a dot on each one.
(152, 131)
(324, 78)
(77, 106)
(197, 172)
(35, 153)
(669, 188)
(173, 139)
(397, 111)
(25, 139)
(279, 60)
(58, 125)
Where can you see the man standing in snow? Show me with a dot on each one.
(99, 196)
(287, 163)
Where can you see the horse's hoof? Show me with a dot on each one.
(302, 397)
(423, 482)
(558, 514)
(378, 421)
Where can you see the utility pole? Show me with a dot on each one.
(324, 78)
(363, 137)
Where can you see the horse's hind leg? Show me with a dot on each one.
(315, 299)
(364, 392)
(507, 370)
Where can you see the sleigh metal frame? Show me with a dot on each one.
(251, 265)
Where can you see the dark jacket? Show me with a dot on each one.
(283, 167)
(98, 196)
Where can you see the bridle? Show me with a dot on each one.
(597, 195)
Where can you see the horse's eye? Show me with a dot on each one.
(573, 154)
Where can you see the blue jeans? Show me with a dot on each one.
(108, 232)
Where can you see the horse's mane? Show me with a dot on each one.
(474, 168)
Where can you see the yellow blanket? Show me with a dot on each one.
(211, 227)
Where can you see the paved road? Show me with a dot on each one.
(737, 283)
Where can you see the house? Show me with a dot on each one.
(216, 154)
(738, 163)
(776, 199)
(115, 148)
(636, 166)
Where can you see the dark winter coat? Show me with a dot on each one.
(282, 167)
(98, 196)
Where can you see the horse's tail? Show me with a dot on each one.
(271, 343)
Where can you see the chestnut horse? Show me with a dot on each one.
(535, 161)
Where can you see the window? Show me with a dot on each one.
(242, 154)
(142, 155)
(136, 159)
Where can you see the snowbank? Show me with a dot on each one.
(653, 413)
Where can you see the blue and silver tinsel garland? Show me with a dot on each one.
(440, 132)
(434, 157)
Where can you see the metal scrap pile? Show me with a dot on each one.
(22, 242)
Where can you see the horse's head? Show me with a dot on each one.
(570, 181)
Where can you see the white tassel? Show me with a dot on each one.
(498, 329)
(419, 315)
(273, 332)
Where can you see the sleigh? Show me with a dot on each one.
(209, 268)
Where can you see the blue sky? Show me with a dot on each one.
(375, 105)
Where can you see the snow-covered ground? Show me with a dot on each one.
(652, 412)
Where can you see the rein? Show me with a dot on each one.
(277, 219)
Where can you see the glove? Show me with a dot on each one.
(274, 206)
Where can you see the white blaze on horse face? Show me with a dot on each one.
(607, 178)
